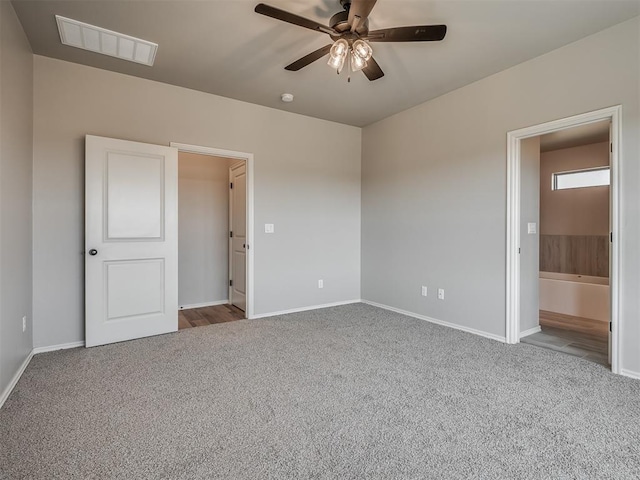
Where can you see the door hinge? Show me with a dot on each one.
(231, 283)
(518, 250)
(230, 234)
(611, 147)
(231, 185)
(611, 236)
(610, 326)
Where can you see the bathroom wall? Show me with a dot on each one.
(574, 223)
(529, 242)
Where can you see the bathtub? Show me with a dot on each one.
(577, 295)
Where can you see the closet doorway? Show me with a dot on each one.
(214, 260)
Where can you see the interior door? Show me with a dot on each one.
(238, 236)
(131, 240)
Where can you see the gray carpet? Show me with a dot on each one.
(345, 392)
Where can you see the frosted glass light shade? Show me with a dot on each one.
(357, 62)
(338, 54)
(362, 49)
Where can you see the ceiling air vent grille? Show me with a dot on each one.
(101, 40)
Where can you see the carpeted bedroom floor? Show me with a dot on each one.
(346, 392)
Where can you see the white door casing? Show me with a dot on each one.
(238, 236)
(614, 114)
(131, 240)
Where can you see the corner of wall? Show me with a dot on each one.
(16, 200)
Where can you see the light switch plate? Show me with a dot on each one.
(268, 228)
(532, 228)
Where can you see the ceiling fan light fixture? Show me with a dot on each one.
(338, 54)
(340, 48)
(357, 62)
(337, 62)
(362, 49)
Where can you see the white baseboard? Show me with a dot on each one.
(438, 322)
(305, 309)
(14, 380)
(206, 304)
(531, 331)
(53, 348)
(630, 373)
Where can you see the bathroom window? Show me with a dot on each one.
(592, 177)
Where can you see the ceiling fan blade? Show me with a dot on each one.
(373, 70)
(307, 59)
(360, 8)
(288, 17)
(418, 33)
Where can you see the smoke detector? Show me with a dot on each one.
(287, 97)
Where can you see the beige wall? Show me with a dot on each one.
(576, 211)
(307, 183)
(434, 183)
(16, 134)
(203, 231)
(529, 243)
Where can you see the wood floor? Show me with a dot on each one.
(198, 317)
(582, 337)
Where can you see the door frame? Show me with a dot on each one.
(248, 157)
(514, 137)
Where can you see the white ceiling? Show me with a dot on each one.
(223, 47)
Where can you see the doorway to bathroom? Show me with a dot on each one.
(573, 234)
(563, 256)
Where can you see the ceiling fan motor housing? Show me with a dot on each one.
(340, 23)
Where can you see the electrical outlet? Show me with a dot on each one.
(424, 291)
(441, 294)
(320, 283)
(24, 324)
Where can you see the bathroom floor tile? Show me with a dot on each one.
(583, 338)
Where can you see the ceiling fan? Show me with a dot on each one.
(350, 33)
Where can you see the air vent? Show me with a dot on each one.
(101, 40)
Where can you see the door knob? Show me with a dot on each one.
(93, 251)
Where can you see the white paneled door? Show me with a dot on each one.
(238, 236)
(131, 240)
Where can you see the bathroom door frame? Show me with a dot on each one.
(514, 138)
